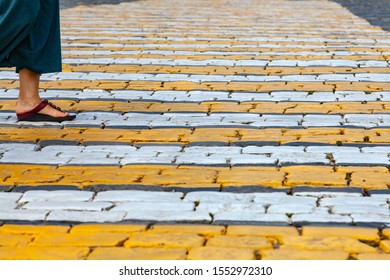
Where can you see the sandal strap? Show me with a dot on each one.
(53, 106)
(40, 106)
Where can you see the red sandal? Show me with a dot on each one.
(34, 116)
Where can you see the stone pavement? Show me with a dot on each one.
(205, 130)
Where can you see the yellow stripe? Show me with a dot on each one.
(219, 106)
(110, 242)
(195, 176)
(232, 57)
(232, 135)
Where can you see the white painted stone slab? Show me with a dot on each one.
(123, 196)
(86, 216)
(56, 196)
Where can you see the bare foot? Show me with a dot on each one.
(22, 107)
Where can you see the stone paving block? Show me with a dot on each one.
(23, 215)
(33, 229)
(290, 209)
(373, 256)
(217, 197)
(370, 234)
(115, 228)
(358, 201)
(10, 197)
(202, 230)
(56, 196)
(321, 218)
(168, 216)
(360, 209)
(276, 233)
(216, 207)
(64, 205)
(96, 239)
(244, 217)
(14, 240)
(168, 240)
(8, 205)
(43, 253)
(154, 206)
(371, 218)
(244, 242)
(141, 196)
(218, 253)
(294, 254)
(284, 199)
(328, 244)
(138, 254)
(85, 217)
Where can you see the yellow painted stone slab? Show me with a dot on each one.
(138, 254)
(291, 254)
(14, 240)
(327, 244)
(167, 240)
(370, 234)
(248, 242)
(203, 230)
(102, 228)
(99, 239)
(220, 253)
(43, 253)
(33, 229)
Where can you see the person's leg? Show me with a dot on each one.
(39, 52)
(29, 95)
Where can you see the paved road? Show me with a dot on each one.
(375, 12)
(201, 138)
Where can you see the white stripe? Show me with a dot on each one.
(204, 96)
(194, 155)
(255, 120)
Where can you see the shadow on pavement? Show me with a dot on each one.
(376, 12)
(65, 4)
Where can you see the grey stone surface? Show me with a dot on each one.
(320, 218)
(22, 215)
(65, 205)
(86, 216)
(136, 206)
(250, 217)
(123, 196)
(10, 197)
(56, 196)
(168, 216)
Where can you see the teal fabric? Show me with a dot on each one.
(30, 35)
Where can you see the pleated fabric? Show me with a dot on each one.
(30, 35)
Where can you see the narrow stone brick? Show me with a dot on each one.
(33, 229)
(248, 242)
(220, 253)
(114, 228)
(97, 239)
(167, 240)
(14, 240)
(203, 230)
(328, 244)
(43, 253)
(138, 254)
(370, 234)
(373, 256)
(298, 254)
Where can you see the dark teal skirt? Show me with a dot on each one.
(30, 35)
